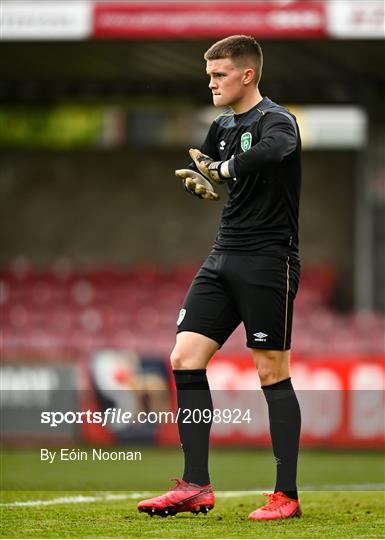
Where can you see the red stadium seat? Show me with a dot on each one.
(67, 309)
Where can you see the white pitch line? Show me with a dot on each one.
(345, 487)
(324, 487)
(75, 499)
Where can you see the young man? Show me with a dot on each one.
(251, 275)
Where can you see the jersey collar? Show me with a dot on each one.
(263, 104)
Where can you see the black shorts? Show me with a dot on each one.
(256, 289)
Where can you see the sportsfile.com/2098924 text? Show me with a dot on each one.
(114, 415)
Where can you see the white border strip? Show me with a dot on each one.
(44, 19)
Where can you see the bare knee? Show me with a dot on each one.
(268, 374)
(184, 359)
(272, 366)
(192, 351)
(180, 360)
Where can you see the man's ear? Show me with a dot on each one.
(248, 76)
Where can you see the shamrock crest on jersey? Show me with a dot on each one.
(246, 141)
(182, 314)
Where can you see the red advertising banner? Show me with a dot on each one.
(167, 20)
(342, 402)
(82, 19)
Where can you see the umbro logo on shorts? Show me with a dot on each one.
(260, 336)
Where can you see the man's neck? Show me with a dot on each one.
(247, 103)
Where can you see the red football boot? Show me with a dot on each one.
(183, 497)
(280, 506)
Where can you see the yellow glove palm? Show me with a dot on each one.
(196, 184)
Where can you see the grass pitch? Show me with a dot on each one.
(326, 515)
(329, 509)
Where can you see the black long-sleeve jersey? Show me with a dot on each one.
(264, 149)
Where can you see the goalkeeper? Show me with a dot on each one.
(250, 276)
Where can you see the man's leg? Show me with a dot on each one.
(189, 359)
(285, 425)
(193, 493)
(206, 320)
(284, 415)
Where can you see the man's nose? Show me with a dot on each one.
(212, 84)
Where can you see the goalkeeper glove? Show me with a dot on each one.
(196, 184)
(217, 171)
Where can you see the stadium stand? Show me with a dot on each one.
(79, 311)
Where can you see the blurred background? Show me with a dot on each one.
(99, 103)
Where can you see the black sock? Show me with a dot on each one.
(193, 393)
(285, 427)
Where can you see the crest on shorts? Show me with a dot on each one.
(182, 313)
(246, 141)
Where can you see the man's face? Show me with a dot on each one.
(226, 81)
